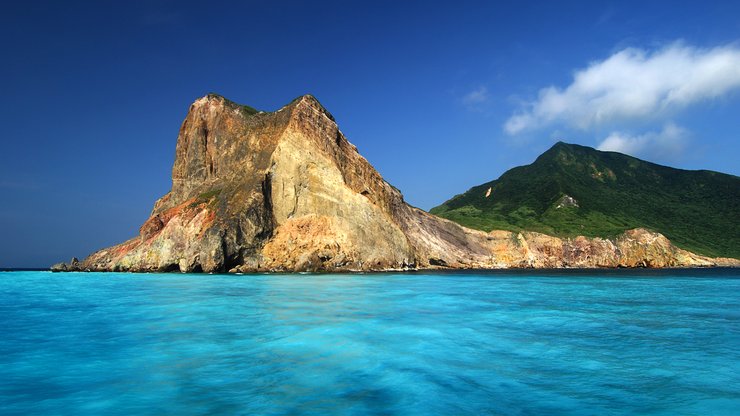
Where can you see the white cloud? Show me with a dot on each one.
(666, 144)
(634, 84)
(475, 98)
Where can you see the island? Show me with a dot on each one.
(285, 191)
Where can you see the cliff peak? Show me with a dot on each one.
(214, 101)
(309, 101)
(561, 146)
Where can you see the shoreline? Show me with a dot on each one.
(515, 270)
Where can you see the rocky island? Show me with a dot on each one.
(286, 191)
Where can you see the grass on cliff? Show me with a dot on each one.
(697, 210)
(245, 109)
(208, 196)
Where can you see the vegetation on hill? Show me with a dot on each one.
(245, 109)
(575, 190)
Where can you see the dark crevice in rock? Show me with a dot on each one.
(208, 159)
(437, 262)
(232, 258)
(268, 217)
(170, 268)
(295, 201)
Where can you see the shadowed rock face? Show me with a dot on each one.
(286, 191)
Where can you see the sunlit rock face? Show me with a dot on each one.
(286, 191)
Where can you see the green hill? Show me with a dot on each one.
(575, 190)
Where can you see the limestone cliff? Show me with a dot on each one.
(286, 191)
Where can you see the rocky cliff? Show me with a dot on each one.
(286, 191)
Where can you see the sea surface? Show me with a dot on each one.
(544, 343)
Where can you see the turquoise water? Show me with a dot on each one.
(665, 343)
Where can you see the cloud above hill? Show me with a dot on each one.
(667, 143)
(633, 84)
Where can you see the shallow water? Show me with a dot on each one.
(551, 343)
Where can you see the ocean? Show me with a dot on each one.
(505, 343)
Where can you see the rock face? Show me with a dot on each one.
(286, 191)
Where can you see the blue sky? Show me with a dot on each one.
(438, 97)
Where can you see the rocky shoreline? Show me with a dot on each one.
(580, 253)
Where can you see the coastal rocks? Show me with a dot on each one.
(634, 248)
(73, 265)
(285, 191)
(640, 248)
